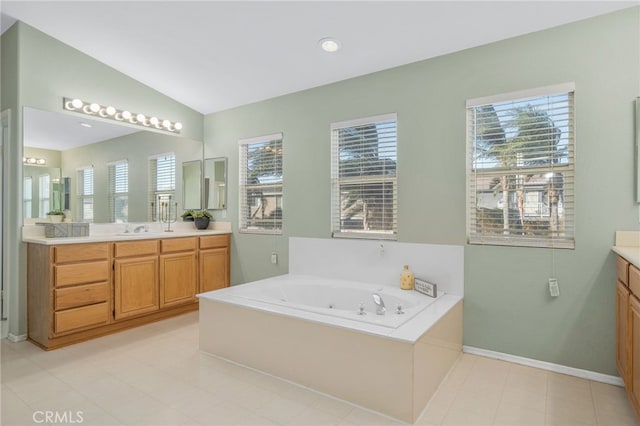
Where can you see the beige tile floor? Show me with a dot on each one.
(154, 375)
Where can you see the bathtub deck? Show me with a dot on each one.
(391, 376)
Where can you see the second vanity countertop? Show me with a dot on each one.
(628, 246)
(110, 232)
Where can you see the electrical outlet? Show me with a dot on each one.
(554, 289)
(274, 258)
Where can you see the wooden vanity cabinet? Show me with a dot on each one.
(135, 278)
(628, 329)
(68, 289)
(214, 262)
(178, 270)
(79, 291)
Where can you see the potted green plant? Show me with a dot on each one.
(201, 218)
(55, 215)
(187, 216)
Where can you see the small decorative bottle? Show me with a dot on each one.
(406, 279)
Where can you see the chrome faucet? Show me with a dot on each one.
(380, 309)
(138, 229)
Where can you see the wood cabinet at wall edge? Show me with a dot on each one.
(628, 329)
(76, 292)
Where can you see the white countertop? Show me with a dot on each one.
(116, 232)
(628, 246)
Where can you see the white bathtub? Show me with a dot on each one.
(335, 298)
(307, 330)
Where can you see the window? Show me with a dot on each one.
(363, 176)
(27, 192)
(44, 195)
(119, 191)
(261, 184)
(85, 194)
(162, 170)
(521, 151)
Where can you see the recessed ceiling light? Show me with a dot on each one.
(330, 44)
(86, 125)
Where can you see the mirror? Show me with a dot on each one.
(192, 185)
(215, 183)
(72, 143)
(42, 191)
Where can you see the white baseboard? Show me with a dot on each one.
(557, 368)
(15, 339)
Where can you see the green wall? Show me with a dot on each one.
(507, 306)
(38, 71)
(136, 148)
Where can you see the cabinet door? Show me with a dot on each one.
(214, 269)
(634, 362)
(177, 278)
(622, 332)
(136, 286)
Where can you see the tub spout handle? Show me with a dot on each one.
(377, 299)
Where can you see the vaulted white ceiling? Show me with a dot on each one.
(214, 55)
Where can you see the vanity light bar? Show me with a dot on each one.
(31, 161)
(91, 108)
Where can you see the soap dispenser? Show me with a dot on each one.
(406, 279)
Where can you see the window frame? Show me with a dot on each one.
(565, 171)
(337, 230)
(85, 198)
(156, 194)
(113, 193)
(277, 188)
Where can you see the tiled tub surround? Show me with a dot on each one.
(390, 369)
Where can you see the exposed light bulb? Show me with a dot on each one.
(154, 121)
(110, 110)
(166, 124)
(76, 103)
(178, 126)
(126, 115)
(141, 119)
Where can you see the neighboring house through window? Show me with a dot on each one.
(521, 156)
(85, 194)
(363, 175)
(119, 191)
(261, 190)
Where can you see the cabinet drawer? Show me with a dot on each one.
(622, 267)
(81, 273)
(136, 248)
(213, 241)
(80, 252)
(82, 317)
(71, 297)
(178, 244)
(634, 280)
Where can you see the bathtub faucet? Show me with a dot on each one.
(380, 309)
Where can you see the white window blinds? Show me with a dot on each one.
(521, 156)
(85, 194)
(119, 191)
(261, 179)
(44, 195)
(27, 192)
(363, 175)
(162, 180)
